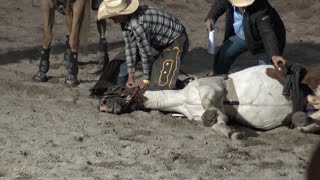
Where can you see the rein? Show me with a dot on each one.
(294, 89)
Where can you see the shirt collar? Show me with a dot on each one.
(235, 10)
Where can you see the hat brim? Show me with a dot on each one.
(103, 14)
(241, 3)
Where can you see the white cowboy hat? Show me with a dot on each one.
(110, 8)
(241, 3)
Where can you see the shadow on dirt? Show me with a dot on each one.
(196, 61)
(33, 54)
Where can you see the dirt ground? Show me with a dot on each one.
(48, 130)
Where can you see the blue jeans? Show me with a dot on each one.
(228, 52)
(122, 74)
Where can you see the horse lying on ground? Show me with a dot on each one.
(249, 97)
(77, 18)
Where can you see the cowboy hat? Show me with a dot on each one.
(110, 8)
(241, 3)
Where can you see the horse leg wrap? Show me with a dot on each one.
(72, 64)
(44, 64)
(72, 68)
(103, 53)
(67, 52)
(44, 61)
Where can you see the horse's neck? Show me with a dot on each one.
(167, 100)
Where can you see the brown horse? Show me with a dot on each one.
(77, 15)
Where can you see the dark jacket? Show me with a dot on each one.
(263, 28)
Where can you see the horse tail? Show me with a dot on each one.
(85, 27)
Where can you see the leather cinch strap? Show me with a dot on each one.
(230, 101)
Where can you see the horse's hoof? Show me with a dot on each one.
(209, 118)
(237, 136)
(40, 77)
(72, 81)
(299, 119)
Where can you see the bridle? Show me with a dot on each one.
(63, 5)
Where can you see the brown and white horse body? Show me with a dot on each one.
(261, 103)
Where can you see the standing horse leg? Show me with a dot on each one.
(47, 8)
(68, 22)
(103, 47)
(72, 63)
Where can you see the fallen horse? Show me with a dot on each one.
(249, 97)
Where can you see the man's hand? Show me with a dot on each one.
(143, 84)
(278, 61)
(130, 82)
(209, 24)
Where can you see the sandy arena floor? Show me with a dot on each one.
(48, 130)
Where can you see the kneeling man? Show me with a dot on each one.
(156, 38)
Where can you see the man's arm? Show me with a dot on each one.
(267, 33)
(217, 9)
(130, 51)
(143, 44)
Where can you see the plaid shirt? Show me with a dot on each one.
(148, 27)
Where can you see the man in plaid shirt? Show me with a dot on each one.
(146, 29)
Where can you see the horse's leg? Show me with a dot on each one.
(218, 121)
(47, 8)
(68, 22)
(315, 116)
(103, 47)
(223, 129)
(72, 62)
(311, 128)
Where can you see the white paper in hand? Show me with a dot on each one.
(211, 42)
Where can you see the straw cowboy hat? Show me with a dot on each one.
(110, 8)
(241, 3)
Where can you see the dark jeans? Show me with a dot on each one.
(165, 67)
(228, 52)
